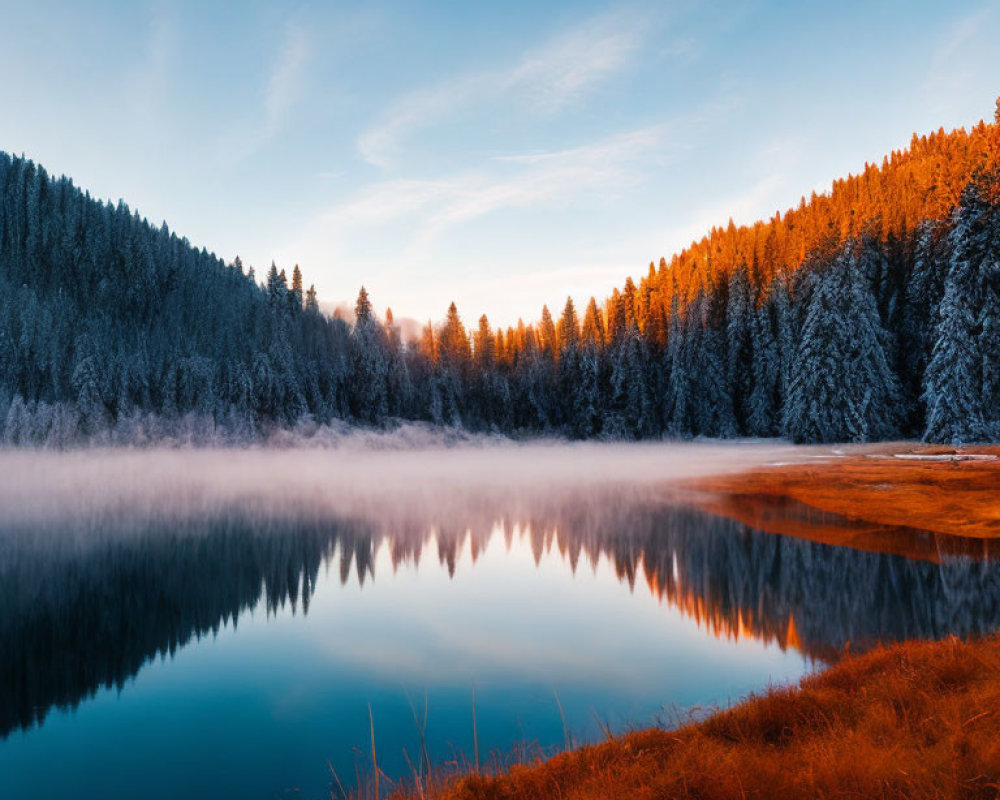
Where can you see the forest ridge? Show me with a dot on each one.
(869, 312)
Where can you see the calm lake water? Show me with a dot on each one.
(218, 625)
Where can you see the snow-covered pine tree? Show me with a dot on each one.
(614, 423)
(989, 345)
(586, 395)
(639, 415)
(712, 400)
(764, 403)
(953, 395)
(676, 408)
(989, 313)
(369, 366)
(786, 333)
(740, 323)
(87, 383)
(924, 290)
(843, 388)
(571, 416)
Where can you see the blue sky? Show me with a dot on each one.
(502, 155)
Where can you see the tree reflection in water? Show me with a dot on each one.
(87, 606)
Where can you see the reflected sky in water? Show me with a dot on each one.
(227, 651)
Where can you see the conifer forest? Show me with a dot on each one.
(867, 313)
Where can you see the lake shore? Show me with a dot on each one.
(916, 720)
(885, 492)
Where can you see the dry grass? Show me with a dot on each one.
(875, 490)
(918, 720)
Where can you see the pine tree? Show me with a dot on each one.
(312, 304)
(989, 312)
(593, 325)
(953, 381)
(740, 324)
(399, 382)
(484, 345)
(638, 414)
(677, 407)
(616, 317)
(765, 399)
(579, 365)
(275, 285)
(843, 388)
(963, 359)
(428, 342)
(547, 332)
(629, 305)
(370, 375)
(989, 345)
(569, 328)
(363, 308)
(924, 290)
(713, 403)
(87, 383)
(453, 347)
(391, 330)
(786, 334)
(296, 293)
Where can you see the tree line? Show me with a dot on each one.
(867, 313)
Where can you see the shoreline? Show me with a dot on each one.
(921, 488)
(914, 720)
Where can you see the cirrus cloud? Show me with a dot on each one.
(544, 80)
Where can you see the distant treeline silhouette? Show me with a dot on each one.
(88, 609)
(871, 312)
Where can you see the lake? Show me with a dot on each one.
(205, 624)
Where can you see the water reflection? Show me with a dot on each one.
(89, 614)
(87, 605)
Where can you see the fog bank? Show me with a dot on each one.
(421, 481)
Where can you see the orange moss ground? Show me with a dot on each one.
(874, 489)
(919, 720)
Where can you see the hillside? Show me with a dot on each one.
(868, 313)
(106, 319)
(896, 224)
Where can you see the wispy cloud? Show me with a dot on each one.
(284, 81)
(377, 145)
(516, 181)
(962, 59)
(282, 88)
(571, 64)
(546, 79)
(391, 225)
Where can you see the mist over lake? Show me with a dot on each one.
(232, 614)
